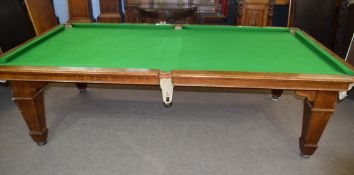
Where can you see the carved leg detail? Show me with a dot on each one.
(318, 108)
(276, 94)
(29, 98)
(81, 86)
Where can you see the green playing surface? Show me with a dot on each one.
(217, 48)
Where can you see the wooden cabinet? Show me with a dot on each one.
(109, 11)
(80, 11)
(255, 12)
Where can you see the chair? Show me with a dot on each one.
(42, 15)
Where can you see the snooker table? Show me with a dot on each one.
(167, 56)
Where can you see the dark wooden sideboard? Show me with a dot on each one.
(206, 11)
(251, 12)
(167, 13)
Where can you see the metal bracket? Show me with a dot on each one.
(344, 94)
(167, 89)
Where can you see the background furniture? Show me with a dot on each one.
(131, 14)
(80, 11)
(16, 25)
(255, 12)
(316, 17)
(208, 11)
(281, 13)
(214, 11)
(42, 15)
(345, 27)
(109, 12)
(167, 13)
(329, 21)
(213, 18)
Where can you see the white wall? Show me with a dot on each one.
(61, 9)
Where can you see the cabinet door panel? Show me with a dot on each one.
(255, 15)
(255, 12)
(109, 11)
(80, 11)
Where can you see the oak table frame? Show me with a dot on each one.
(320, 91)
